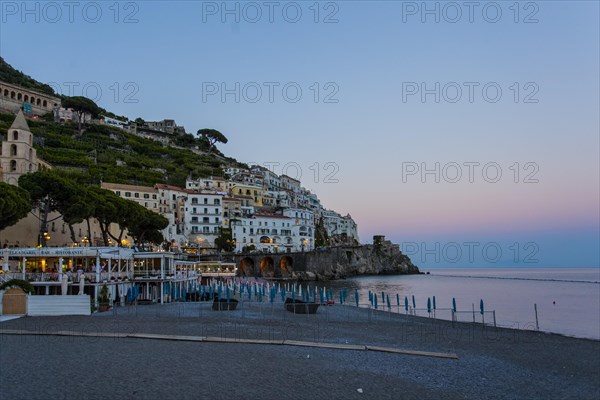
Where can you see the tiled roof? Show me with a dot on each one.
(121, 186)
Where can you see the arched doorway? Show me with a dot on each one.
(246, 267)
(267, 268)
(285, 266)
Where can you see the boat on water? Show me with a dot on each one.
(300, 307)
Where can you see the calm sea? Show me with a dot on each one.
(568, 300)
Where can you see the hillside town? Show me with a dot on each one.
(255, 209)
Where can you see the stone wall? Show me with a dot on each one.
(381, 257)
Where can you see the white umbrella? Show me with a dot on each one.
(81, 283)
(64, 284)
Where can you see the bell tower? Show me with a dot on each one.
(18, 156)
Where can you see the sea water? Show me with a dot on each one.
(568, 300)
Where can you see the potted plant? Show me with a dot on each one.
(103, 299)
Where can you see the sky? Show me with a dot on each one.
(466, 132)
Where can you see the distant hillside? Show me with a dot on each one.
(113, 155)
(10, 75)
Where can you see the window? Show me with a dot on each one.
(13, 150)
(118, 193)
(146, 196)
(205, 200)
(206, 211)
(194, 219)
(13, 165)
(136, 195)
(217, 220)
(15, 135)
(205, 220)
(127, 194)
(217, 211)
(217, 202)
(194, 200)
(153, 197)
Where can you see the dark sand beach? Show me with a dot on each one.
(88, 360)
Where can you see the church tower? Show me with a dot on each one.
(18, 156)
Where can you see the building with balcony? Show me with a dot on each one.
(203, 218)
(146, 196)
(214, 183)
(244, 190)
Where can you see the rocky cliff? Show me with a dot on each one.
(381, 257)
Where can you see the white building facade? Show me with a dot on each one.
(203, 217)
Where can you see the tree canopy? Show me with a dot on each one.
(77, 202)
(14, 205)
(224, 242)
(82, 105)
(211, 136)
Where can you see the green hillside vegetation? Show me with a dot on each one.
(10, 75)
(99, 149)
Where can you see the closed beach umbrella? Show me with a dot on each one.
(356, 296)
(375, 302)
(454, 304)
(81, 283)
(428, 305)
(388, 301)
(382, 297)
(370, 297)
(398, 299)
(481, 306)
(64, 284)
(434, 302)
(406, 303)
(414, 304)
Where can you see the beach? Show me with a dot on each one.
(186, 350)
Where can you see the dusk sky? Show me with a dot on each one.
(501, 100)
